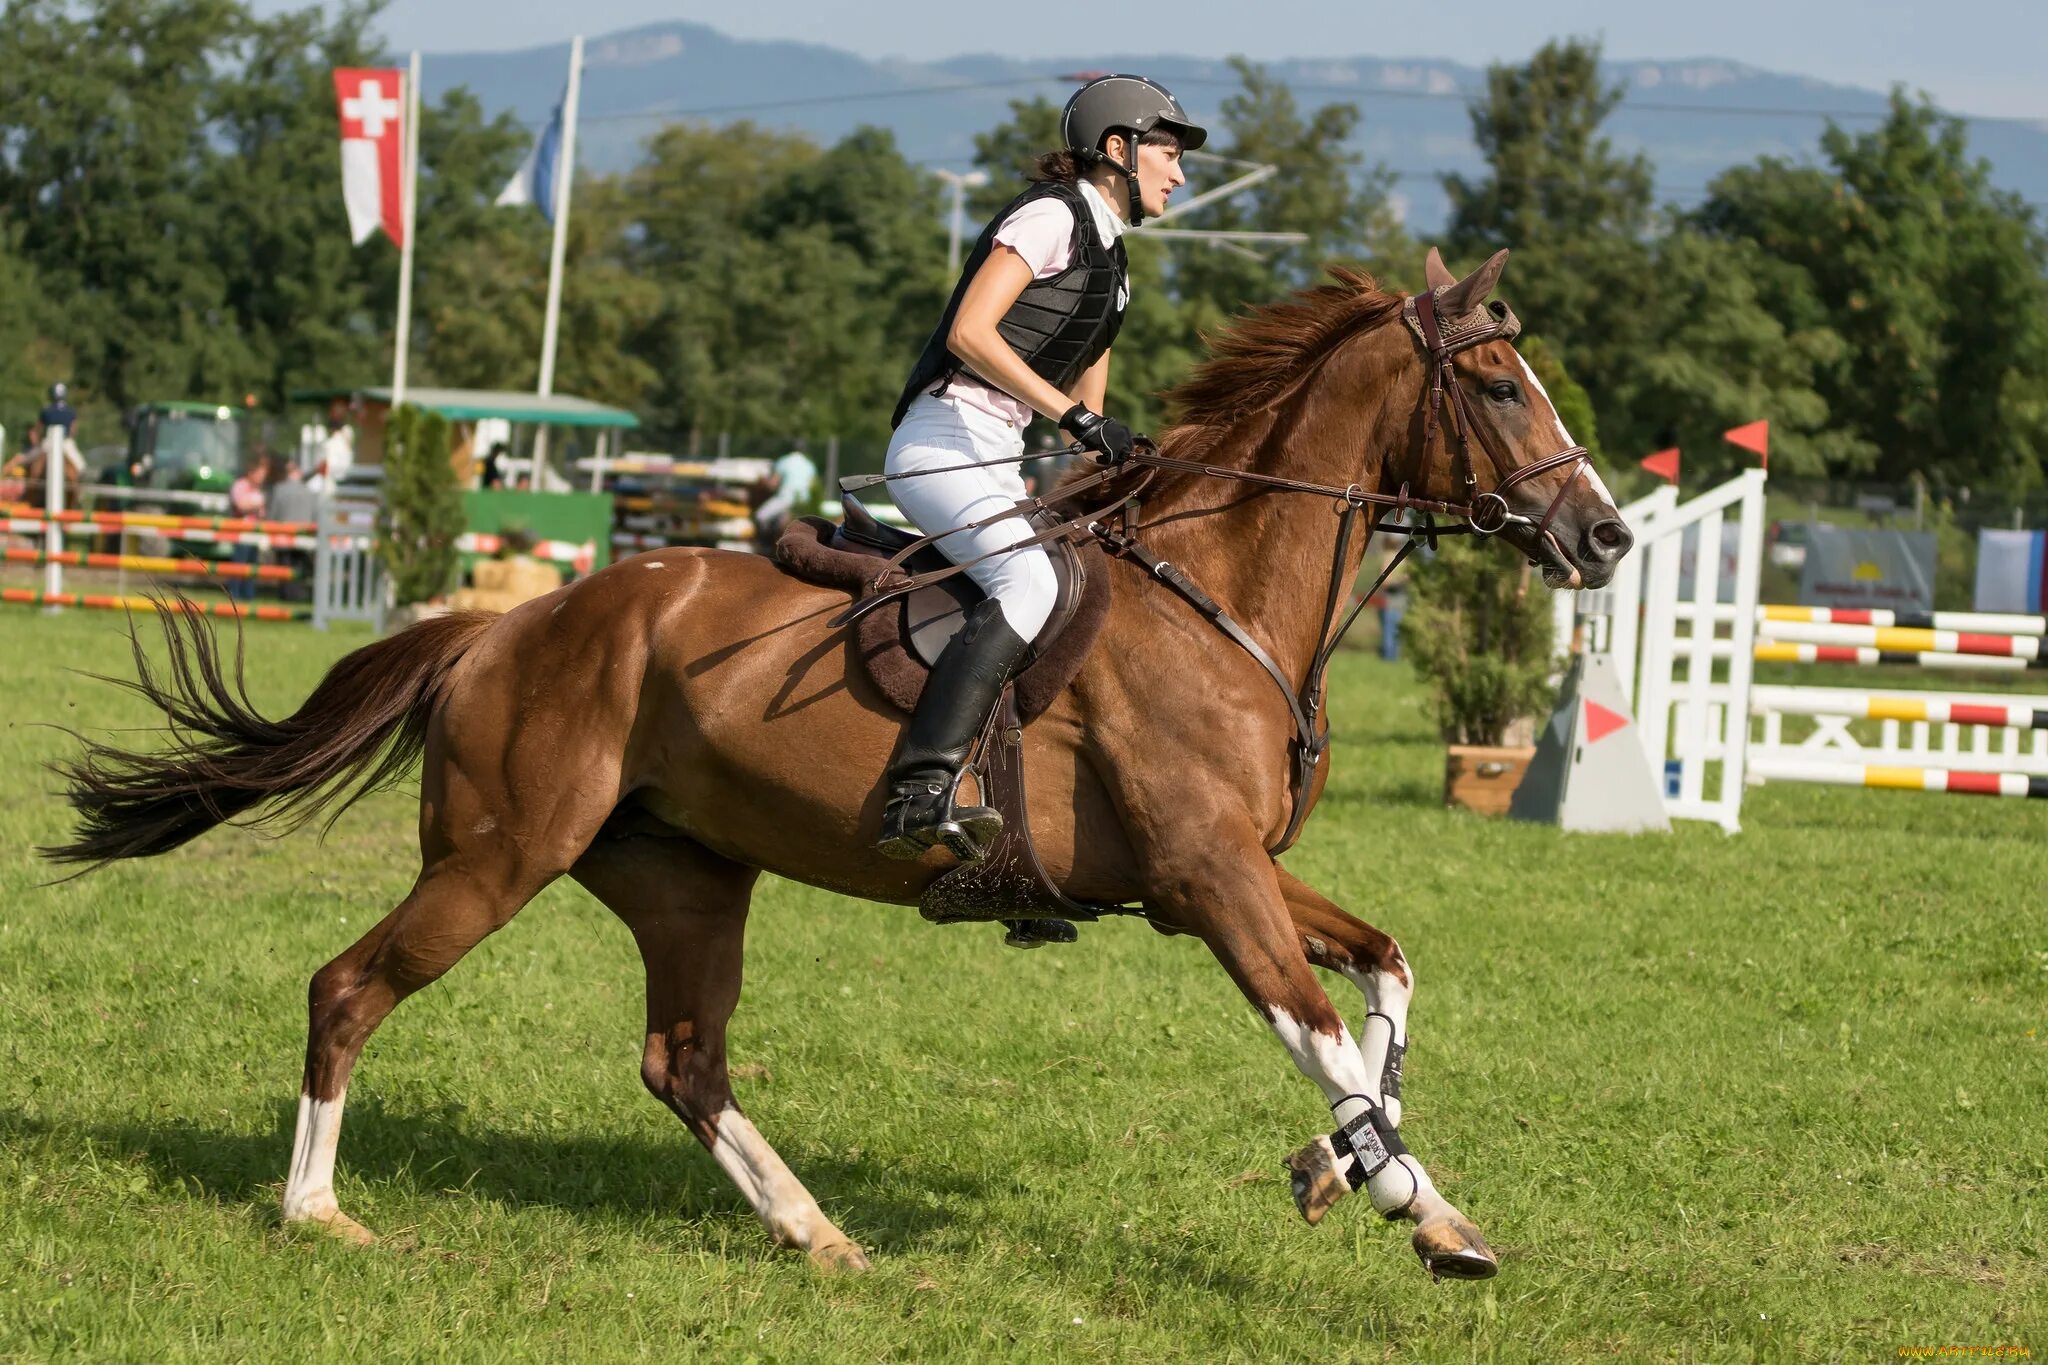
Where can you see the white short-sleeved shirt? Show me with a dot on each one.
(1042, 233)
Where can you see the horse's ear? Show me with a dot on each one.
(1435, 272)
(1468, 293)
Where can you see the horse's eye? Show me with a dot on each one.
(1502, 391)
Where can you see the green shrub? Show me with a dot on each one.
(421, 517)
(1479, 630)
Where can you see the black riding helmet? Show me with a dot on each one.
(1130, 105)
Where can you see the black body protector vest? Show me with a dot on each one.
(1060, 326)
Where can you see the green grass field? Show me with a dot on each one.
(1776, 1096)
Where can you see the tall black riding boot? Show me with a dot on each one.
(963, 688)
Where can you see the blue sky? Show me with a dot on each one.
(1973, 56)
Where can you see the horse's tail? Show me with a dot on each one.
(360, 730)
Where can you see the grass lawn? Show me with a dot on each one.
(1775, 1096)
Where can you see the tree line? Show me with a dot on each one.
(171, 226)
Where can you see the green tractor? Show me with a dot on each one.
(185, 447)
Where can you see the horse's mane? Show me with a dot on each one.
(1260, 356)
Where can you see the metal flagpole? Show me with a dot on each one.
(411, 177)
(565, 172)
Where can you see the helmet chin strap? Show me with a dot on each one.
(1130, 169)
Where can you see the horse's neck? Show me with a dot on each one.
(1266, 555)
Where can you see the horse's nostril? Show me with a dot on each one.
(1611, 536)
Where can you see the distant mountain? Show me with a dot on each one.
(1693, 118)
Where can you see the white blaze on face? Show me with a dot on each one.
(1564, 438)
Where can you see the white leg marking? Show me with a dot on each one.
(309, 1188)
(1386, 1021)
(1336, 1066)
(785, 1206)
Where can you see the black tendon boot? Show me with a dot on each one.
(963, 689)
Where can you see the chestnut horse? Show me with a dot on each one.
(655, 731)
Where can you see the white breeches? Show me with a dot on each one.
(937, 434)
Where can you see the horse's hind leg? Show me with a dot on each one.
(687, 908)
(1445, 1240)
(461, 897)
(454, 905)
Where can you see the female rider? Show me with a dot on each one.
(1028, 329)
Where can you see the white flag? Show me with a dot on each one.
(534, 181)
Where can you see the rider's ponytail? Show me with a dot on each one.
(1062, 166)
(1065, 165)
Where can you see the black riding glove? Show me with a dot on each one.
(1106, 436)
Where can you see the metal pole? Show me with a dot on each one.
(959, 224)
(53, 502)
(565, 173)
(831, 464)
(411, 180)
(961, 183)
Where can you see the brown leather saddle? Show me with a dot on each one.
(898, 642)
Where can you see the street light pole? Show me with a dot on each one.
(961, 183)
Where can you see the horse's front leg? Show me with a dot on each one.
(1230, 894)
(1447, 1242)
(1369, 960)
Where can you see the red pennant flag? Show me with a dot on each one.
(1664, 464)
(372, 151)
(1601, 721)
(1754, 437)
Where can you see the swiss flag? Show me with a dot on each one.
(372, 151)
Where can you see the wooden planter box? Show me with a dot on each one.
(1483, 778)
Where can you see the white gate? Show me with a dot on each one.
(1690, 692)
(348, 582)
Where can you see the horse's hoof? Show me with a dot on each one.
(1316, 1180)
(839, 1258)
(339, 1226)
(1452, 1249)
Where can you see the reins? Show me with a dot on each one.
(1445, 405)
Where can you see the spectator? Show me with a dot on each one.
(291, 499)
(494, 465)
(337, 451)
(34, 454)
(1393, 606)
(59, 412)
(249, 497)
(790, 488)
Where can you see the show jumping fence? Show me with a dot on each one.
(336, 551)
(1687, 657)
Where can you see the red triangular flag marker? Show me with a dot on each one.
(1601, 722)
(1664, 464)
(1754, 437)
